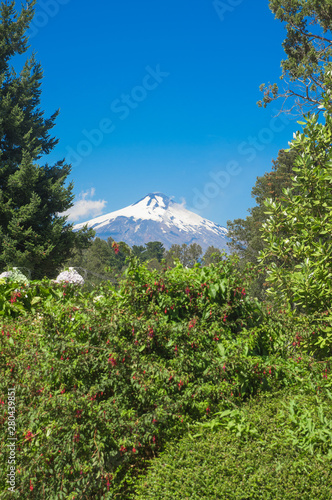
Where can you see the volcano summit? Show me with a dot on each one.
(157, 218)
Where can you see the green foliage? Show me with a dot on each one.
(151, 250)
(152, 253)
(308, 50)
(106, 388)
(23, 128)
(15, 275)
(108, 260)
(139, 251)
(120, 252)
(188, 255)
(212, 255)
(103, 260)
(174, 254)
(276, 447)
(98, 256)
(299, 226)
(105, 379)
(19, 299)
(32, 197)
(154, 250)
(245, 234)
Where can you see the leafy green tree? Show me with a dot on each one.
(120, 252)
(192, 254)
(173, 254)
(299, 226)
(187, 255)
(33, 233)
(153, 250)
(308, 47)
(98, 256)
(244, 234)
(99, 262)
(212, 255)
(154, 264)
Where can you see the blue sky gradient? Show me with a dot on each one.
(161, 96)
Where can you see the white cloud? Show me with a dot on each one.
(84, 207)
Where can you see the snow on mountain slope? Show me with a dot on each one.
(157, 218)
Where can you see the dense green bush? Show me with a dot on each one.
(26, 299)
(276, 448)
(105, 379)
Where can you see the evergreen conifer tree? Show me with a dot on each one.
(33, 233)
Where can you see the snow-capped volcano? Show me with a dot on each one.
(157, 218)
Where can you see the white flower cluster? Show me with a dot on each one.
(15, 275)
(96, 299)
(70, 276)
(6, 274)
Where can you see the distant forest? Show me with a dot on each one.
(107, 259)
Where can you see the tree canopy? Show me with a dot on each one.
(188, 255)
(33, 233)
(298, 228)
(308, 48)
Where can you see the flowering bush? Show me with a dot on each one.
(5, 274)
(20, 300)
(103, 386)
(70, 276)
(98, 298)
(14, 275)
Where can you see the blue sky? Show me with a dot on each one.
(161, 96)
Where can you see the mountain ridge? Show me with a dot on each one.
(155, 217)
